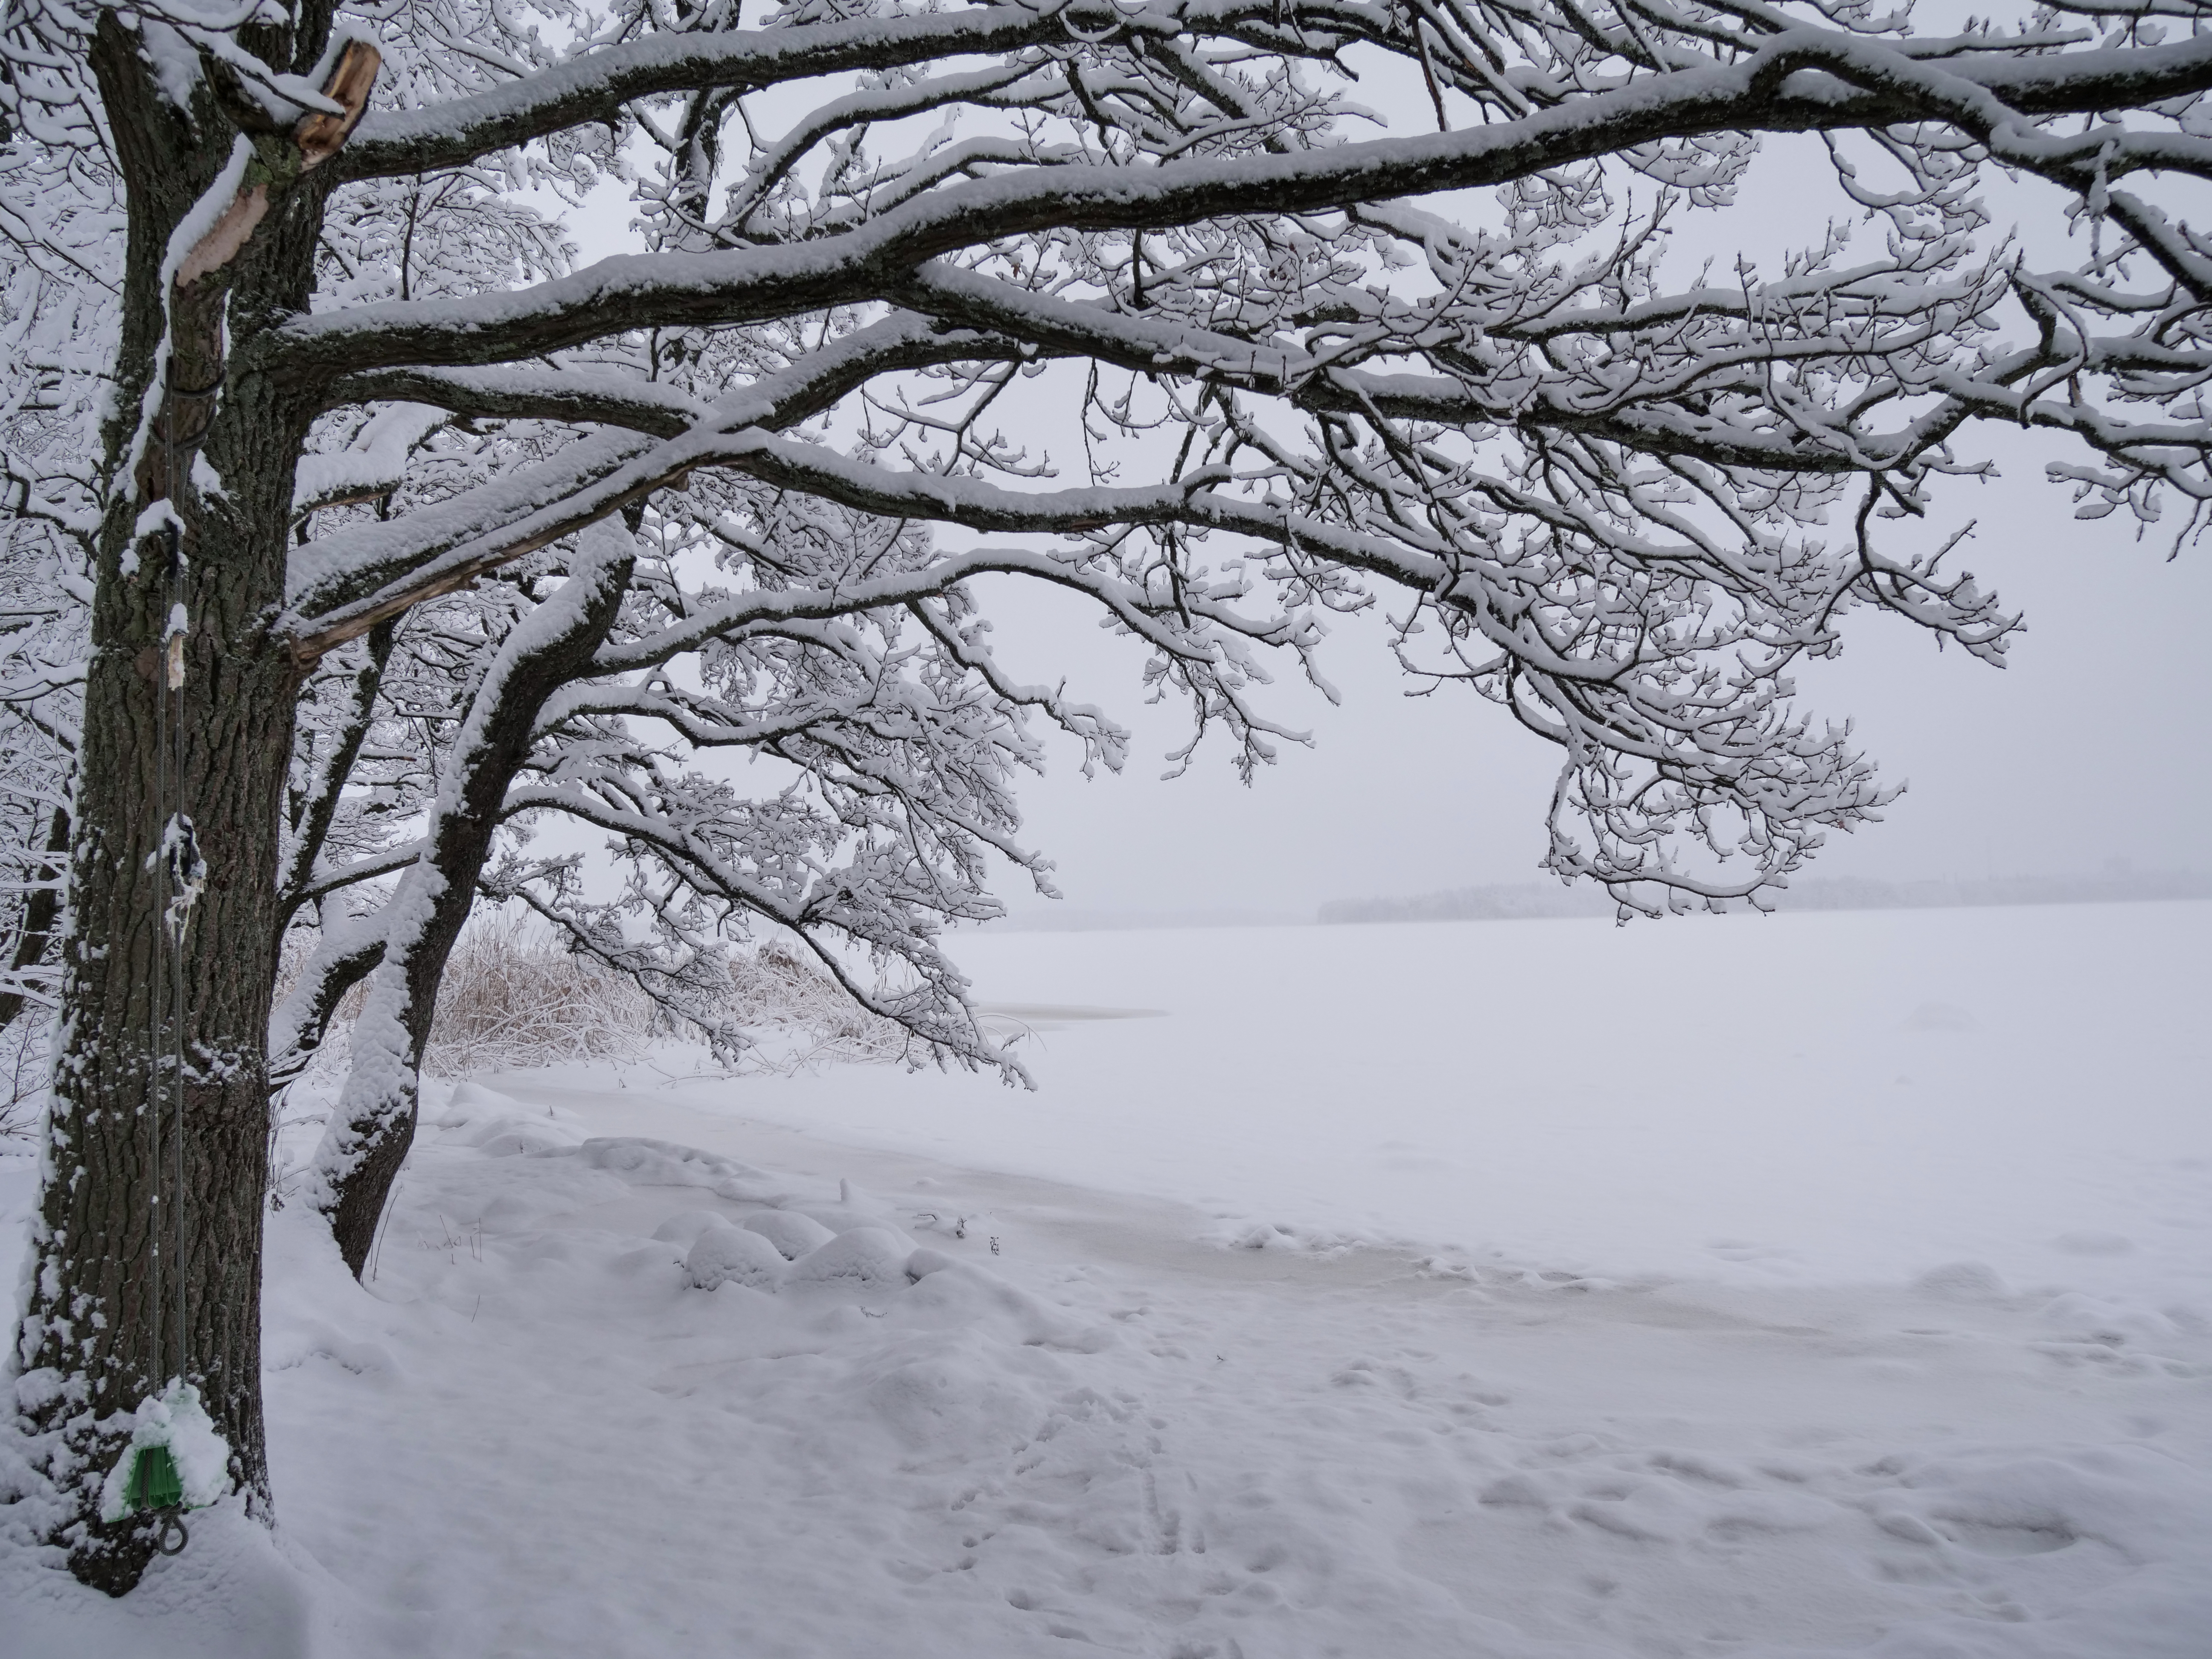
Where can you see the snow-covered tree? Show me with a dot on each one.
(382, 524)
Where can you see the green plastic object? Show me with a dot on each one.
(155, 1483)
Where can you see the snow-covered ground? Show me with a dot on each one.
(1833, 1282)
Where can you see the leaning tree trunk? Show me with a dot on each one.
(374, 1126)
(147, 1240)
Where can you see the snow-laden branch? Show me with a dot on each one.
(1768, 90)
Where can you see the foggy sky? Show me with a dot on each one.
(2089, 746)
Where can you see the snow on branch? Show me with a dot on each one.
(1620, 497)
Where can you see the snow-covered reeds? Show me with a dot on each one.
(774, 992)
(512, 997)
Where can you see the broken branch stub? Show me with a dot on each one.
(318, 137)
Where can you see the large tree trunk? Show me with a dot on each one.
(149, 1251)
(148, 1241)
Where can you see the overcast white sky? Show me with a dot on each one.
(2088, 747)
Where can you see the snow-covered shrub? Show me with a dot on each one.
(722, 1253)
(792, 1234)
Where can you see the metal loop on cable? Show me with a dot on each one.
(177, 849)
(171, 1521)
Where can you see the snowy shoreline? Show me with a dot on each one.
(1036, 1393)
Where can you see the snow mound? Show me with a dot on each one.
(1962, 1282)
(500, 1124)
(865, 1258)
(645, 1162)
(792, 1233)
(685, 1226)
(722, 1253)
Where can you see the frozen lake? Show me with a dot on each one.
(1809, 1098)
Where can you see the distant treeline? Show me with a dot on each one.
(1500, 902)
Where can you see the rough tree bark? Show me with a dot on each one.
(203, 491)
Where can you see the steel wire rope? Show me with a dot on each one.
(175, 861)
